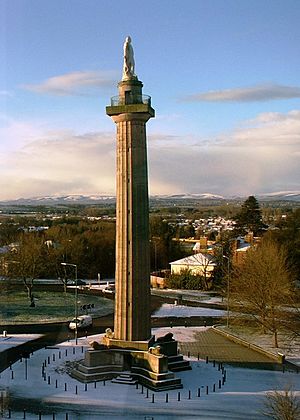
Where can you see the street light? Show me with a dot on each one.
(76, 298)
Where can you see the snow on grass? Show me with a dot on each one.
(241, 397)
(172, 310)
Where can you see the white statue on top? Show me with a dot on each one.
(128, 66)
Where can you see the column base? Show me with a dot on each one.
(114, 343)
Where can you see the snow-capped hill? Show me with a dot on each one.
(202, 196)
(281, 195)
(62, 199)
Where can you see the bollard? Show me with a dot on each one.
(95, 384)
(189, 395)
(59, 354)
(206, 359)
(53, 357)
(189, 354)
(9, 413)
(49, 380)
(55, 383)
(219, 383)
(104, 383)
(147, 393)
(198, 356)
(53, 416)
(24, 414)
(137, 386)
(206, 389)
(142, 389)
(12, 374)
(65, 386)
(167, 397)
(178, 396)
(81, 349)
(199, 393)
(40, 415)
(76, 390)
(10, 368)
(66, 352)
(214, 388)
(214, 363)
(67, 416)
(73, 350)
(152, 398)
(85, 387)
(48, 360)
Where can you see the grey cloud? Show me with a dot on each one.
(75, 83)
(258, 93)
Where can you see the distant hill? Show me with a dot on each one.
(110, 199)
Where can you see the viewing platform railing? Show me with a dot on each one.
(130, 100)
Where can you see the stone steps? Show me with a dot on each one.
(177, 364)
(125, 379)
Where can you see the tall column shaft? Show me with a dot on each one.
(130, 111)
(132, 321)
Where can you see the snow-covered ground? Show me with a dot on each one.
(241, 396)
(172, 310)
(8, 341)
(191, 295)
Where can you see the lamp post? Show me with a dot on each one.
(76, 298)
(228, 287)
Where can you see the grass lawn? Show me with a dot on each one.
(49, 306)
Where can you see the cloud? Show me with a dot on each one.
(258, 93)
(60, 162)
(5, 93)
(260, 155)
(76, 83)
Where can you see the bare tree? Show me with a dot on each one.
(282, 405)
(263, 285)
(27, 262)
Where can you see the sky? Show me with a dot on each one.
(223, 76)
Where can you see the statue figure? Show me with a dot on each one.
(156, 350)
(109, 333)
(128, 66)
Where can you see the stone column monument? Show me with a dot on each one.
(129, 353)
(130, 111)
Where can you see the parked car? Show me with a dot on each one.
(110, 289)
(79, 282)
(82, 321)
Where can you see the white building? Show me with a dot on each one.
(198, 264)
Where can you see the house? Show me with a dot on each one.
(198, 264)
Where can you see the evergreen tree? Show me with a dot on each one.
(249, 219)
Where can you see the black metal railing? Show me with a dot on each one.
(130, 99)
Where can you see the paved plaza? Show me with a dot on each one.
(209, 343)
